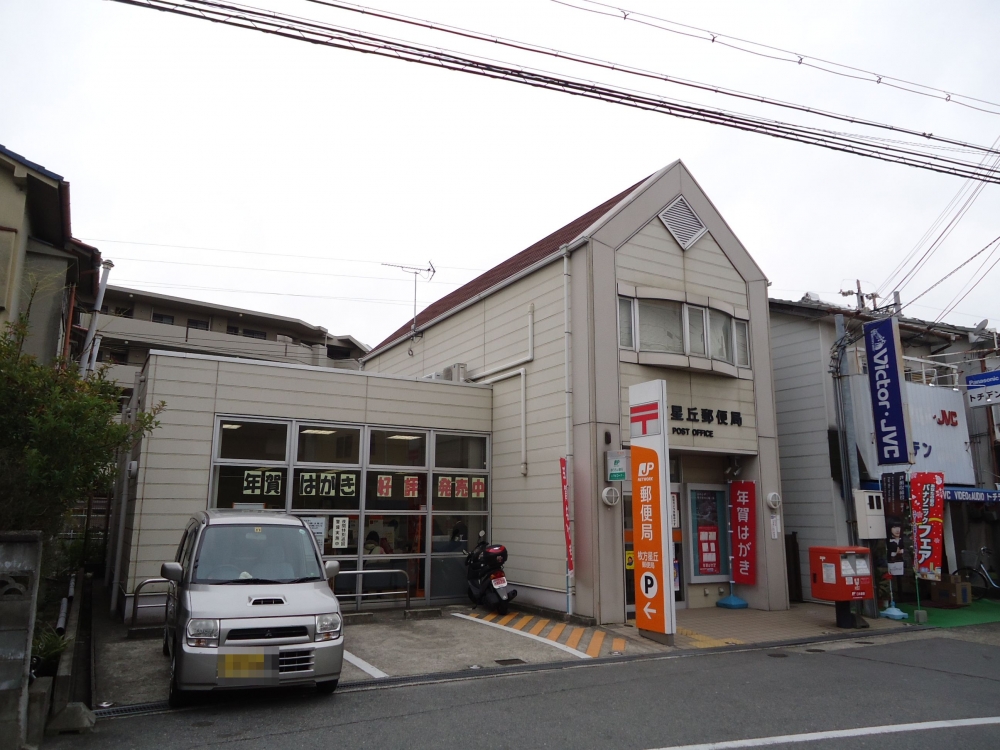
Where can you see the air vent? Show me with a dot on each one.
(254, 601)
(683, 223)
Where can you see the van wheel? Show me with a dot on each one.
(326, 687)
(177, 698)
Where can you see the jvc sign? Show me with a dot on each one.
(885, 379)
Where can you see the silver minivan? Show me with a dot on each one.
(250, 605)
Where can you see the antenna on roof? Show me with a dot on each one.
(428, 274)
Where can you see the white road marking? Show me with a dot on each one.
(364, 666)
(837, 733)
(538, 638)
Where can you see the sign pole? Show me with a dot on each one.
(655, 616)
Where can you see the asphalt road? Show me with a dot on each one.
(654, 703)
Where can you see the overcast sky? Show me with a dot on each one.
(177, 133)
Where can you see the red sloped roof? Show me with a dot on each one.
(527, 257)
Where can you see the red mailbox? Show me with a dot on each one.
(841, 574)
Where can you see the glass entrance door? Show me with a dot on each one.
(674, 507)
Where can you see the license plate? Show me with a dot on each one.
(246, 666)
(499, 583)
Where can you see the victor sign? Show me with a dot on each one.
(885, 381)
(651, 533)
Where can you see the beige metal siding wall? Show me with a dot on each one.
(811, 497)
(526, 510)
(175, 466)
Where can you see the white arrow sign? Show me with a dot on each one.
(648, 610)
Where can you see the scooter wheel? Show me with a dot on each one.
(502, 607)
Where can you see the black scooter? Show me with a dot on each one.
(487, 582)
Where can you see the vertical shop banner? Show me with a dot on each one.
(743, 522)
(885, 381)
(565, 504)
(652, 539)
(927, 504)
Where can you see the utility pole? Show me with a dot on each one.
(851, 476)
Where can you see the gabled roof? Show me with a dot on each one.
(4, 151)
(541, 250)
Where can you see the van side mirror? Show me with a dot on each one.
(172, 571)
(332, 569)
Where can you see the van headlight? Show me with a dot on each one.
(328, 626)
(203, 633)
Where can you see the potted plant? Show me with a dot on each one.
(46, 649)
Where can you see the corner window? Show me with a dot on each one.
(721, 329)
(625, 338)
(741, 341)
(660, 328)
(460, 451)
(697, 344)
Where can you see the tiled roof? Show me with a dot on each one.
(513, 265)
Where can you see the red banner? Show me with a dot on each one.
(565, 500)
(927, 506)
(743, 522)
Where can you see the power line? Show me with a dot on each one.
(276, 270)
(255, 252)
(954, 271)
(958, 299)
(805, 61)
(608, 65)
(275, 294)
(316, 33)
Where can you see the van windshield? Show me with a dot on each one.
(256, 554)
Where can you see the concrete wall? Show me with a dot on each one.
(174, 474)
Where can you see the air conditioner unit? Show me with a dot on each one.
(870, 513)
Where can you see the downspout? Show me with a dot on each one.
(524, 424)
(85, 355)
(567, 369)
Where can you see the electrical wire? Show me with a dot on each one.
(316, 33)
(255, 252)
(954, 271)
(596, 62)
(805, 61)
(280, 270)
(958, 299)
(276, 294)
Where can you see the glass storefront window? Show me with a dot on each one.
(709, 532)
(373, 583)
(455, 533)
(397, 448)
(251, 487)
(336, 535)
(253, 441)
(448, 577)
(454, 491)
(388, 535)
(326, 489)
(346, 586)
(460, 451)
(396, 490)
(327, 444)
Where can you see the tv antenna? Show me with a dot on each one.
(418, 273)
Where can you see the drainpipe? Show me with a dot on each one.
(567, 369)
(106, 267)
(524, 425)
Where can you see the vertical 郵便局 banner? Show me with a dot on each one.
(885, 382)
(743, 522)
(927, 506)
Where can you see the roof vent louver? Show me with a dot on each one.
(683, 223)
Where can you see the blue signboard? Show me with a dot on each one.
(971, 495)
(885, 380)
(983, 379)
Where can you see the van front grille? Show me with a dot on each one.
(295, 661)
(263, 634)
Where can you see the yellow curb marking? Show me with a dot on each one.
(539, 627)
(523, 621)
(706, 641)
(557, 631)
(490, 617)
(595, 643)
(618, 644)
(574, 637)
(507, 618)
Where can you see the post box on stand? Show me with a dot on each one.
(841, 575)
